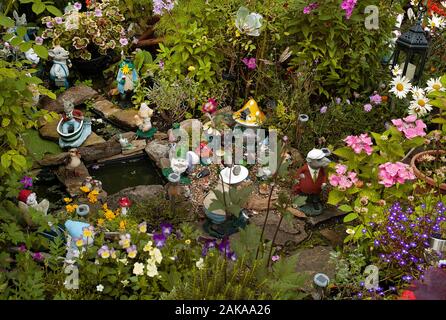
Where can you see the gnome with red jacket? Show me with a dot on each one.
(312, 178)
(28, 199)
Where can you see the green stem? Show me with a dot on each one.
(266, 218)
(274, 239)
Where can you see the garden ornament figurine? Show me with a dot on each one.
(73, 129)
(28, 199)
(312, 179)
(59, 71)
(125, 144)
(143, 121)
(127, 78)
(250, 115)
(73, 161)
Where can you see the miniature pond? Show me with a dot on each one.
(120, 174)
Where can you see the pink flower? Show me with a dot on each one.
(341, 169)
(38, 256)
(311, 7)
(124, 41)
(393, 173)
(59, 20)
(410, 126)
(348, 6)
(368, 107)
(210, 106)
(360, 143)
(375, 99)
(342, 178)
(250, 63)
(275, 258)
(323, 109)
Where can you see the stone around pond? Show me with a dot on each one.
(313, 261)
(49, 130)
(328, 213)
(125, 119)
(72, 182)
(78, 95)
(157, 150)
(289, 231)
(93, 139)
(136, 194)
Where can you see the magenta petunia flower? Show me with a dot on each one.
(348, 6)
(210, 106)
(27, 182)
(38, 256)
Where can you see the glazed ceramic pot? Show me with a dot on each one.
(420, 175)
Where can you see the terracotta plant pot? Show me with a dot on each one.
(422, 176)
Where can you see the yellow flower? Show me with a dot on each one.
(87, 233)
(92, 196)
(105, 254)
(126, 69)
(79, 242)
(85, 189)
(187, 241)
(67, 200)
(237, 33)
(105, 206)
(113, 254)
(191, 68)
(69, 208)
(132, 254)
(122, 225)
(147, 247)
(109, 215)
(101, 222)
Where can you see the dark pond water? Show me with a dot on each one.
(47, 186)
(118, 175)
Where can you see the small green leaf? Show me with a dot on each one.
(350, 217)
(38, 7)
(54, 11)
(6, 21)
(346, 208)
(41, 51)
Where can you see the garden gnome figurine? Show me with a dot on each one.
(127, 77)
(59, 71)
(28, 199)
(312, 179)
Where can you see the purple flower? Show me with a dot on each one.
(209, 244)
(323, 109)
(224, 245)
(348, 6)
(49, 24)
(250, 63)
(375, 99)
(27, 182)
(275, 258)
(98, 12)
(338, 100)
(38, 256)
(160, 5)
(22, 248)
(310, 7)
(368, 107)
(124, 41)
(59, 20)
(166, 228)
(160, 239)
(78, 6)
(161, 64)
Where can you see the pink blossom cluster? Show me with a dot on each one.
(348, 6)
(342, 178)
(410, 126)
(393, 173)
(360, 143)
(310, 7)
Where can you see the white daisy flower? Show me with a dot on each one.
(100, 288)
(434, 85)
(436, 21)
(420, 106)
(417, 92)
(401, 86)
(350, 231)
(397, 71)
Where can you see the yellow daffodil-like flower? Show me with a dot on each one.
(122, 225)
(147, 247)
(191, 68)
(109, 215)
(105, 206)
(79, 242)
(71, 207)
(187, 241)
(67, 200)
(85, 189)
(87, 233)
(126, 69)
(101, 222)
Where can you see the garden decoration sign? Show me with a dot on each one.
(222, 150)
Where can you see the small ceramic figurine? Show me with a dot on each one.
(28, 199)
(73, 129)
(125, 144)
(88, 182)
(312, 179)
(250, 115)
(205, 152)
(20, 21)
(60, 70)
(143, 121)
(73, 161)
(127, 77)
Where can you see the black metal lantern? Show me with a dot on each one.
(415, 45)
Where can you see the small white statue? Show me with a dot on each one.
(28, 199)
(125, 144)
(143, 118)
(59, 71)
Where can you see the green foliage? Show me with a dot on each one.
(37, 147)
(18, 114)
(438, 99)
(348, 55)
(39, 7)
(231, 201)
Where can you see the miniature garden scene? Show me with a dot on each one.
(223, 149)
